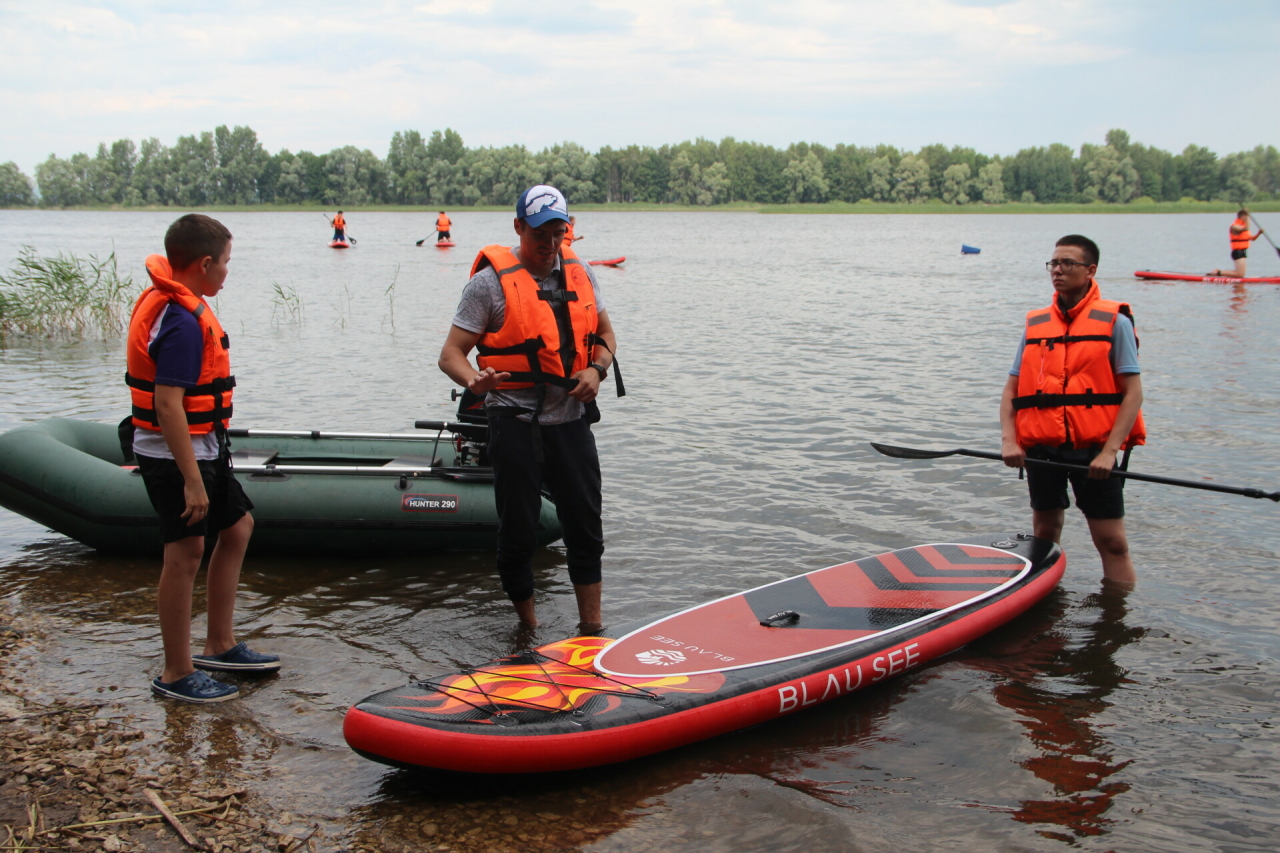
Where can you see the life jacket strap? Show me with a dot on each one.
(218, 386)
(1041, 400)
(592, 340)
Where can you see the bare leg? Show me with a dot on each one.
(589, 615)
(525, 610)
(1047, 524)
(173, 601)
(1242, 264)
(1113, 546)
(223, 582)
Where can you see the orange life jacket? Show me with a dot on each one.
(529, 345)
(1067, 388)
(568, 237)
(1242, 239)
(442, 223)
(339, 224)
(208, 404)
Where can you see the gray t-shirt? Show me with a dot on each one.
(1124, 349)
(483, 308)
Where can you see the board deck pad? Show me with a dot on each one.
(833, 607)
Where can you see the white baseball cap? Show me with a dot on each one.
(542, 204)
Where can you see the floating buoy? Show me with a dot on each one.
(966, 249)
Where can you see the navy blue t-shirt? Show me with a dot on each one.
(177, 349)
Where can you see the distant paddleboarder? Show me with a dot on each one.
(339, 227)
(443, 224)
(1240, 240)
(569, 237)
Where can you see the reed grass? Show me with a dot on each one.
(64, 296)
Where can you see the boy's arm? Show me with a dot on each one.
(1014, 455)
(173, 426)
(1130, 385)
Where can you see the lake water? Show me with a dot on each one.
(761, 354)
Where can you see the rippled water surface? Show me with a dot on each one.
(761, 354)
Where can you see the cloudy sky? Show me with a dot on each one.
(997, 76)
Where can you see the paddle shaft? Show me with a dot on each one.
(1133, 475)
(1265, 234)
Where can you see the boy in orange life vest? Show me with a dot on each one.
(1240, 240)
(339, 227)
(442, 228)
(535, 397)
(569, 238)
(180, 382)
(1074, 395)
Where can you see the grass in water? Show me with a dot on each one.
(286, 305)
(64, 296)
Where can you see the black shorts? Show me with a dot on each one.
(1237, 254)
(1097, 499)
(227, 501)
(443, 235)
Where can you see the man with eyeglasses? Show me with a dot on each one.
(1074, 394)
(544, 343)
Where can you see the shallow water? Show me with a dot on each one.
(761, 354)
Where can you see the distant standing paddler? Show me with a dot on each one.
(569, 237)
(1240, 240)
(442, 227)
(339, 227)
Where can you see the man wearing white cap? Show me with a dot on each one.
(544, 342)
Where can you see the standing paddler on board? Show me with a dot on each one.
(443, 224)
(339, 227)
(544, 343)
(1240, 240)
(1074, 395)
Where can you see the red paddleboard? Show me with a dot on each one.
(444, 244)
(612, 262)
(722, 666)
(339, 244)
(1211, 279)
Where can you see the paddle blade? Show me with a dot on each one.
(420, 242)
(911, 452)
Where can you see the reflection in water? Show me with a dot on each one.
(1057, 685)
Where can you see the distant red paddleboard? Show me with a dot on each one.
(444, 244)
(339, 244)
(1209, 279)
(612, 262)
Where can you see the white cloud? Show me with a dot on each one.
(321, 75)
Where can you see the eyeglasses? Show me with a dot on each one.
(1066, 263)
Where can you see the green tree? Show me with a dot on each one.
(571, 169)
(955, 184)
(291, 182)
(16, 189)
(1199, 172)
(1236, 174)
(241, 161)
(880, 178)
(353, 176)
(499, 175)
(446, 146)
(1109, 176)
(63, 183)
(990, 184)
(911, 180)
(692, 184)
(1047, 173)
(408, 167)
(805, 180)
(846, 172)
(153, 174)
(195, 160)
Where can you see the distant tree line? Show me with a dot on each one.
(230, 167)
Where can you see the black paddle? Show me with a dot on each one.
(1265, 234)
(420, 242)
(914, 453)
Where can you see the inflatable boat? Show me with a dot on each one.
(313, 491)
(726, 665)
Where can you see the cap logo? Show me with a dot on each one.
(537, 204)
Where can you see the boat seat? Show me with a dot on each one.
(250, 458)
(410, 461)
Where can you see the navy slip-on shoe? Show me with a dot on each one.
(238, 658)
(196, 687)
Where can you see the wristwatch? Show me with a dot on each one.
(604, 373)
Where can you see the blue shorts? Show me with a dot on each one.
(1237, 254)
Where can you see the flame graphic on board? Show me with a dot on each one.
(523, 683)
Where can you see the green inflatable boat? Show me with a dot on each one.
(313, 491)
